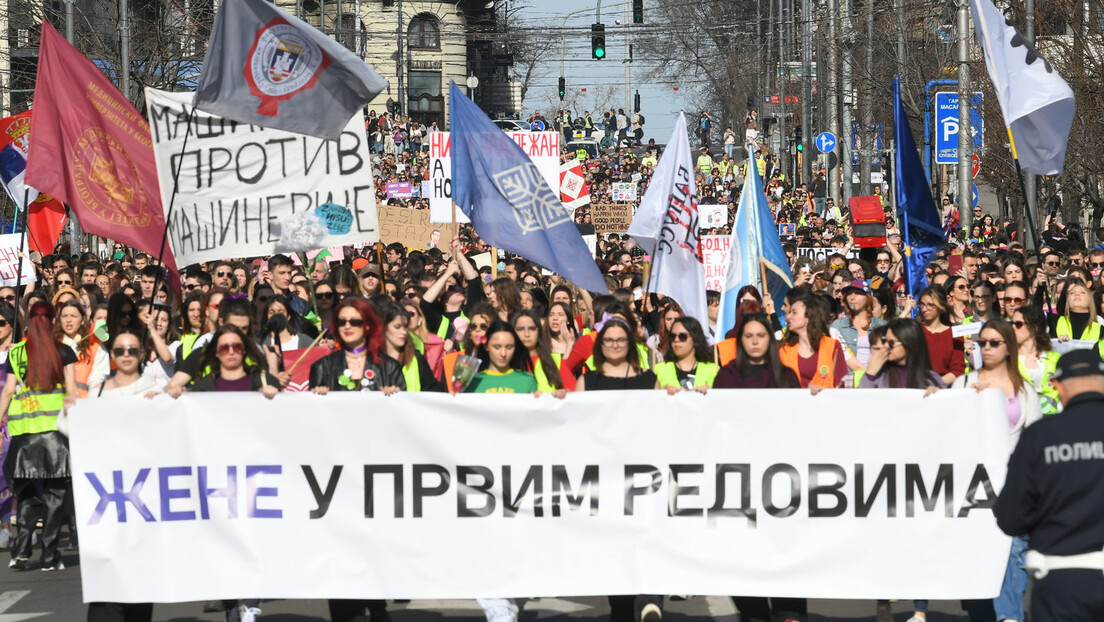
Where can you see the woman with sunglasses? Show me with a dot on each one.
(399, 347)
(899, 359)
(324, 299)
(1000, 370)
(127, 378)
(686, 363)
(72, 329)
(947, 352)
(1038, 360)
(985, 306)
(547, 366)
(472, 335)
(64, 279)
(359, 364)
(228, 365)
(38, 386)
(958, 299)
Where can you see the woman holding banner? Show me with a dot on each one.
(1000, 370)
(359, 364)
(398, 346)
(686, 362)
(756, 365)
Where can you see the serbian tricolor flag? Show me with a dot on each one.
(266, 67)
(46, 215)
(92, 149)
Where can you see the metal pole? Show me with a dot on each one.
(1031, 196)
(892, 157)
(807, 89)
(867, 152)
(399, 59)
(833, 95)
(628, 65)
(124, 48)
(848, 41)
(70, 36)
(965, 136)
(783, 148)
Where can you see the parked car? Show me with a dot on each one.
(512, 125)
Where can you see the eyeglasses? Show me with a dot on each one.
(9, 298)
(355, 321)
(990, 343)
(1019, 323)
(1093, 264)
(889, 343)
(1052, 263)
(60, 282)
(222, 273)
(615, 341)
(680, 336)
(324, 295)
(132, 351)
(926, 305)
(191, 286)
(1016, 300)
(3, 322)
(231, 348)
(962, 286)
(480, 326)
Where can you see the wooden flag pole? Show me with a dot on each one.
(306, 351)
(16, 336)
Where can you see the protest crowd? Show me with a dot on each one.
(816, 309)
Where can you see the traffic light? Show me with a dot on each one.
(563, 88)
(638, 11)
(636, 102)
(598, 41)
(767, 123)
(797, 138)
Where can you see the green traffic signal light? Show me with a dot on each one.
(599, 52)
(598, 41)
(800, 147)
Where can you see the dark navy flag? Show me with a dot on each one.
(510, 204)
(920, 222)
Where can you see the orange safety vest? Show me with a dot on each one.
(826, 362)
(82, 371)
(726, 351)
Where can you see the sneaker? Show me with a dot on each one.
(248, 614)
(18, 563)
(58, 565)
(651, 613)
(917, 619)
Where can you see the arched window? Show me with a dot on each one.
(424, 33)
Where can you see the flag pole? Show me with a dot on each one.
(1032, 241)
(172, 201)
(19, 270)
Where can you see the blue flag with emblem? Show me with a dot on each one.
(921, 225)
(510, 204)
(755, 252)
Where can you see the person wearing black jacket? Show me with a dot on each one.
(359, 365)
(1054, 494)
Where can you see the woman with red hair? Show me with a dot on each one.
(40, 385)
(359, 364)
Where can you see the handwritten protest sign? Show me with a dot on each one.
(412, 228)
(715, 253)
(9, 261)
(611, 217)
(237, 182)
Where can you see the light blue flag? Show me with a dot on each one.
(510, 204)
(755, 246)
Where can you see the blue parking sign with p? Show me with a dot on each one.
(946, 126)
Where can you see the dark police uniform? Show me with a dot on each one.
(1054, 493)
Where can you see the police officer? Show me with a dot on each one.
(1054, 494)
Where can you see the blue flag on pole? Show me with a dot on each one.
(920, 222)
(510, 204)
(755, 250)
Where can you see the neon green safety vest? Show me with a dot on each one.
(543, 385)
(1048, 395)
(704, 374)
(705, 164)
(412, 375)
(419, 345)
(187, 342)
(32, 412)
(1091, 332)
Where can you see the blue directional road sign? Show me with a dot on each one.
(826, 142)
(537, 125)
(975, 195)
(946, 126)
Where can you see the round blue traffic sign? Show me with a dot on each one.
(825, 142)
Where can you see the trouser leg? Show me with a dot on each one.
(1068, 596)
(29, 510)
(54, 492)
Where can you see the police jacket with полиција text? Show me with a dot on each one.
(1054, 492)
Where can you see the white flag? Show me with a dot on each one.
(666, 225)
(1037, 103)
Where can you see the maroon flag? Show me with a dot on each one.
(92, 149)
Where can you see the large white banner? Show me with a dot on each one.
(543, 148)
(237, 181)
(10, 244)
(848, 494)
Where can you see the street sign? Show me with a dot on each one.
(826, 142)
(537, 125)
(946, 126)
(977, 164)
(975, 195)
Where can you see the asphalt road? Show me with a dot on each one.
(49, 596)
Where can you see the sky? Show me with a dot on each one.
(659, 103)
